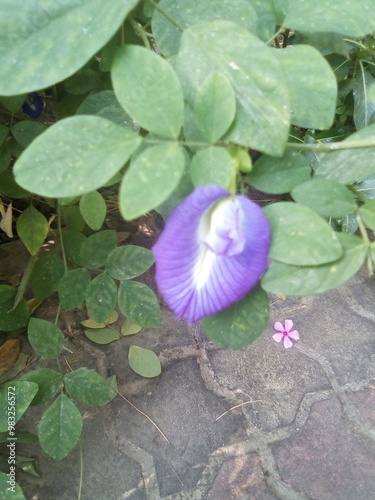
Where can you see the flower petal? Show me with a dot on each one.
(294, 335)
(288, 324)
(204, 265)
(279, 326)
(277, 337)
(287, 342)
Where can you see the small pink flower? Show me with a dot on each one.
(285, 334)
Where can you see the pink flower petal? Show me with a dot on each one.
(279, 326)
(277, 337)
(287, 342)
(294, 335)
(288, 324)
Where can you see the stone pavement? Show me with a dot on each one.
(304, 426)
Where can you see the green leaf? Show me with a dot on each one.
(60, 428)
(327, 198)
(88, 387)
(240, 324)
(96, 248)
(101, 297)
(4, 131)
(75, 156)
(46, 275)
(45, 338)
(139, 303)
(67, 24)
(12, 319)
(144, 361)
(279, 175)
(24, 437)
(32, 228)
(344, 17)
(129, 328)
(300, 236)
(367, 213)
(73, 241)
(364, 106)
(315, 80)
(26, 131)
(9, 186)
(148, 89)
(308, 280)
(13, 103)
(72, 288)
(128, 262)
(106, 105)
(350, 165)
(254, 72)
(93, 209)
(215, 106)
(18, 395)
(212, 165)
(72, 218)
(150, 179)
(168, 36)
(9, 494)
(49, 382)
(102, 335)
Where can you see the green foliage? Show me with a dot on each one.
(144, 361)
(241, 324)
(147, 107)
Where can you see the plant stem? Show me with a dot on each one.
(80, 470)
(140, 32)
(332, 146)
(366, 239)
(60, 236)
(165, 14)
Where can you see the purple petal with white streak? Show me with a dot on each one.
(213, 250)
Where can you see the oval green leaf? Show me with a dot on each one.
(144, 361)
(72, 288)
(168, 36)
(45, 338)
(327, 198)
(148, 89)
(26, 131)
(212, 165)
(300, 236)
(101, 297)
(240, 324)
(32, 228)
(88, 387)
(49, 382)
(350, 165)
(309, 280)
(19, 392)
(279, 175)
(315, 80)
(75, 156)
(150, 179)
(60, 427)
(129, 328)
(102, 335)
(262, 114)
(12, 319)
(128, 262)
(46, 274)
(96, 248)
(93, 209)
(215, 106)
(25, 27)
(139, 303)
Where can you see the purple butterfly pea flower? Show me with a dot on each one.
(212, 252)
(33, 106)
